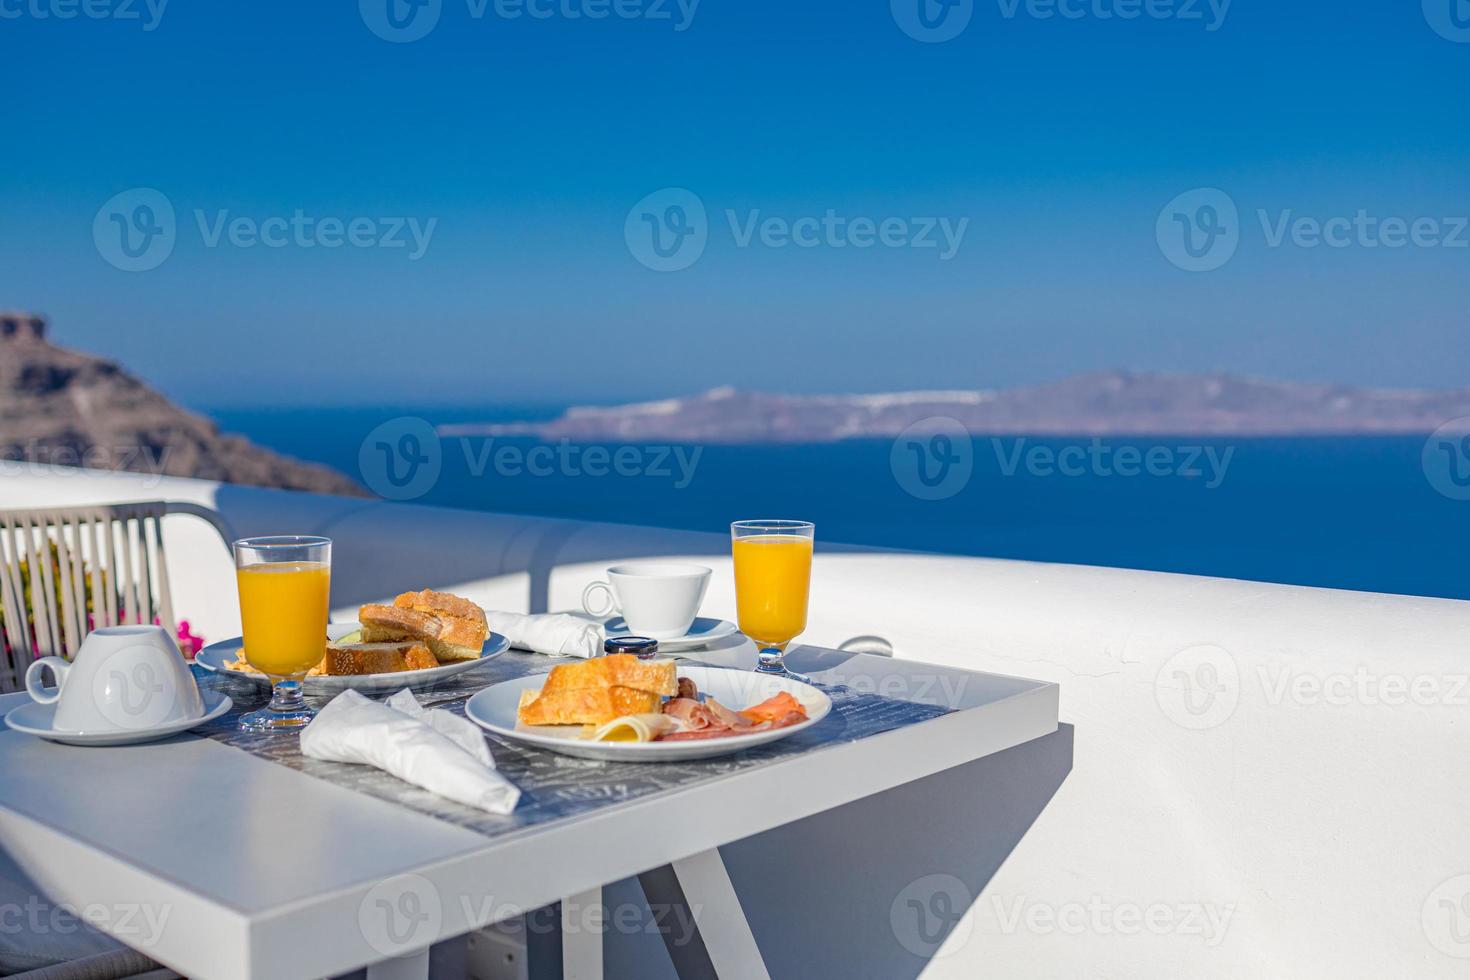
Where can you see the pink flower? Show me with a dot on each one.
(188, 642)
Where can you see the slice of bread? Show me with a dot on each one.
(377, 658)
(382, 624)
(462, 627)
(584, 706)
(450, 638)
(615, 670)
(452, 627)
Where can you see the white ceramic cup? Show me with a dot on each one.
(124, 678)
(658, 599)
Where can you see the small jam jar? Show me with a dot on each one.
(641, 647)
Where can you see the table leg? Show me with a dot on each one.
(581, 936)
(414, 966)
(697, 891)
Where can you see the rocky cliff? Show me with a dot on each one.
(62, 407)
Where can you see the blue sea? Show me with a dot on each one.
(1350, 512)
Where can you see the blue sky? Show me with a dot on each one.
(527, 141)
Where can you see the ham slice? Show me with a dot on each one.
(691, 715)
(775, 708)
(711, 719)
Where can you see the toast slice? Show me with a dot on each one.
(384, 624)
(584, 706)
(615, 670)
(450, 638)
(462, 627)
(377, 658)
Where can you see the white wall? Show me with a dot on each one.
(1216, 784)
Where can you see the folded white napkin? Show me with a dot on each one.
(558, 634)
(436, 750)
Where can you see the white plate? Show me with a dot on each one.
(704, 632)
(495, 709)
(213, 657)
(36, 719)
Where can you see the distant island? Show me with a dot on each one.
(61, 407)
(1116, 403)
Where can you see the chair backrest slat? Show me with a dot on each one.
(43, 587)
(117, 549)
(67, 634)
(100, 605)
(12, 606)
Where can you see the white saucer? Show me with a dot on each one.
(36, 719)
(704, 632)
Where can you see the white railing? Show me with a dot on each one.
(1267, 780)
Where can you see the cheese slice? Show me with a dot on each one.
(635, 728)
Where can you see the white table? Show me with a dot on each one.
(226, 866)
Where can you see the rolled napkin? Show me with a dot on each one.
(435, 750)
(557, 634)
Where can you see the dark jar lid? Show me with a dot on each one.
(639, 646)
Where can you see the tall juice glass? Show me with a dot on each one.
(773, 574)
(285, 589)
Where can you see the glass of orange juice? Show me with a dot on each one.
(285, 588)
(773, 575)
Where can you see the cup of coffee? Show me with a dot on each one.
(658, 599)
(124, 678)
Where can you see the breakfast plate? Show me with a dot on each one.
(702, 633)
(215, 656)
(495, 710)
(39, 720)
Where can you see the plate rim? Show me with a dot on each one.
(734, 742)
(226, 703)
(495, 645)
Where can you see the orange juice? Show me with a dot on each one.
(283, 609)
(773, 573)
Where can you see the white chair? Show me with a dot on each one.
(54, 557)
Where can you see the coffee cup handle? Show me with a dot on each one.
(59, 669)
(611, 606)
